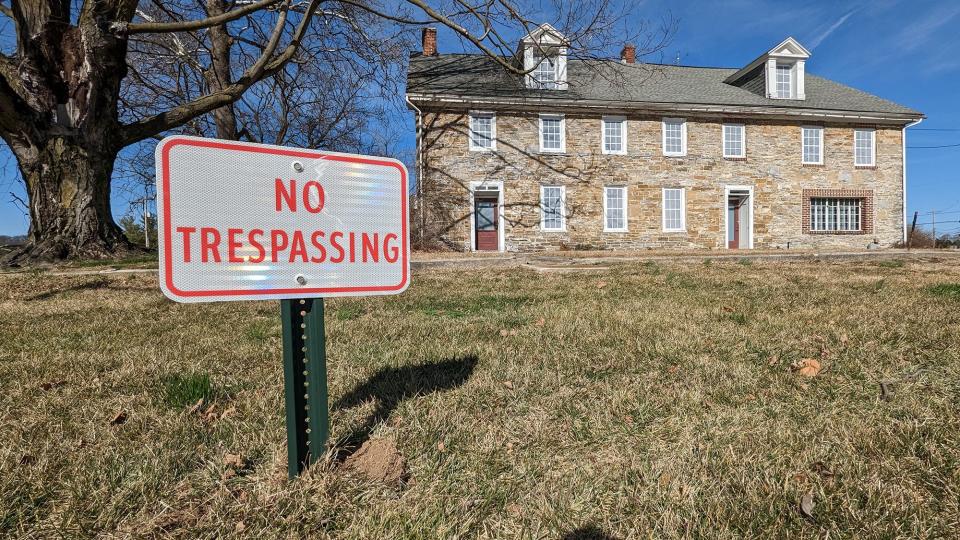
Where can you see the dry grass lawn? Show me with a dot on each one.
(651, 400)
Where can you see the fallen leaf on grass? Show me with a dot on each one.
(808, 367)
(508, 384)
(441, 447)
(50, 385)
(514, 509)
(821, 468)
(727, 309)
(540, 322)
(504, 332)
(773, 360)
(228, 474)
(196, 406)
(233, 460)
(240, 527)
(27, 459)
(806, 504)
(227, 413)
(118, 418)
(601, 284)
(673, 369)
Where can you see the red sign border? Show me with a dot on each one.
(172, 142)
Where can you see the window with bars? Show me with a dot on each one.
(545, 73)
(784, 86)
(552, 203)
(733, 141)
(864, 153)
(835, 214)
(674, 211)
(482, 131)
(674, 136)
(551, 133)
(615, 208)
(812, 145)
(614, 135)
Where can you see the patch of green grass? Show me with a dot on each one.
(745, 262)
(947, 290)
(261, 331)
(891, 263)
(180, 390)
(348, 312)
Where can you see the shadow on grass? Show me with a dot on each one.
(588, 532)
(100, 283)
(390, 386)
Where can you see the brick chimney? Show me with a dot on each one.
(429, 37)
(629, 54)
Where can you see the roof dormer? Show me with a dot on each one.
(544, 53)
(779, 72)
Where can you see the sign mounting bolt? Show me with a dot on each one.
(297, 166)
(301, 280)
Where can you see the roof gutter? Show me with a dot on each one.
(419, 166)
(903, 141)
(655, 107)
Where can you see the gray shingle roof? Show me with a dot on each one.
(478, 76)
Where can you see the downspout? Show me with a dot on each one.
(419, 167)
(903, 140)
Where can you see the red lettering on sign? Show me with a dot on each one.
(390, 253)
(278, 242)
(261, 253)
(289, 196)
(315, 240)
(370, 246)
(186, 232)
(335, 244)
(233, 244)
(307, 203)
(353, 249)
(298, 248)
(209, 243)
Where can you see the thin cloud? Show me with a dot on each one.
(816, 41)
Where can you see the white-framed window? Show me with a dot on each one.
(552, 133)
(784, 81)
(864, 147)
(614, 134)
(835, 215)
(615, 208)
(483, 131)
(734, 141)
(674, 210)
(545, 71)
(812, 144)
(553, 208)
(674, 137)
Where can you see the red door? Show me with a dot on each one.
(486, 224)
(733, 221)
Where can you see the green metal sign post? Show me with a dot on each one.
(305, 382)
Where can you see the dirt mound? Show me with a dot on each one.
(379, 460)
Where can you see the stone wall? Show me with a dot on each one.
(772, 167)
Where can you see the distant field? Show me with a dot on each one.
(651, 400)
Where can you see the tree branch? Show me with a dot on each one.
(450, 23)
(185, 26)
(264, 67)
(6, 11)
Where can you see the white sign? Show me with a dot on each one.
(243, 221)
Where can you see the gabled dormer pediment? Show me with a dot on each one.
(544, 54)
(778, 73)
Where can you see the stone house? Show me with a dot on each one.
(580, 154)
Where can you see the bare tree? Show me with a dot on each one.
(71, 96)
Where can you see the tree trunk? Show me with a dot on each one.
(70, 216)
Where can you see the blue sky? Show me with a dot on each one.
(907, 51)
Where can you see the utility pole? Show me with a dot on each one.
(146, 223)
(933, 216)
(913, 227)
